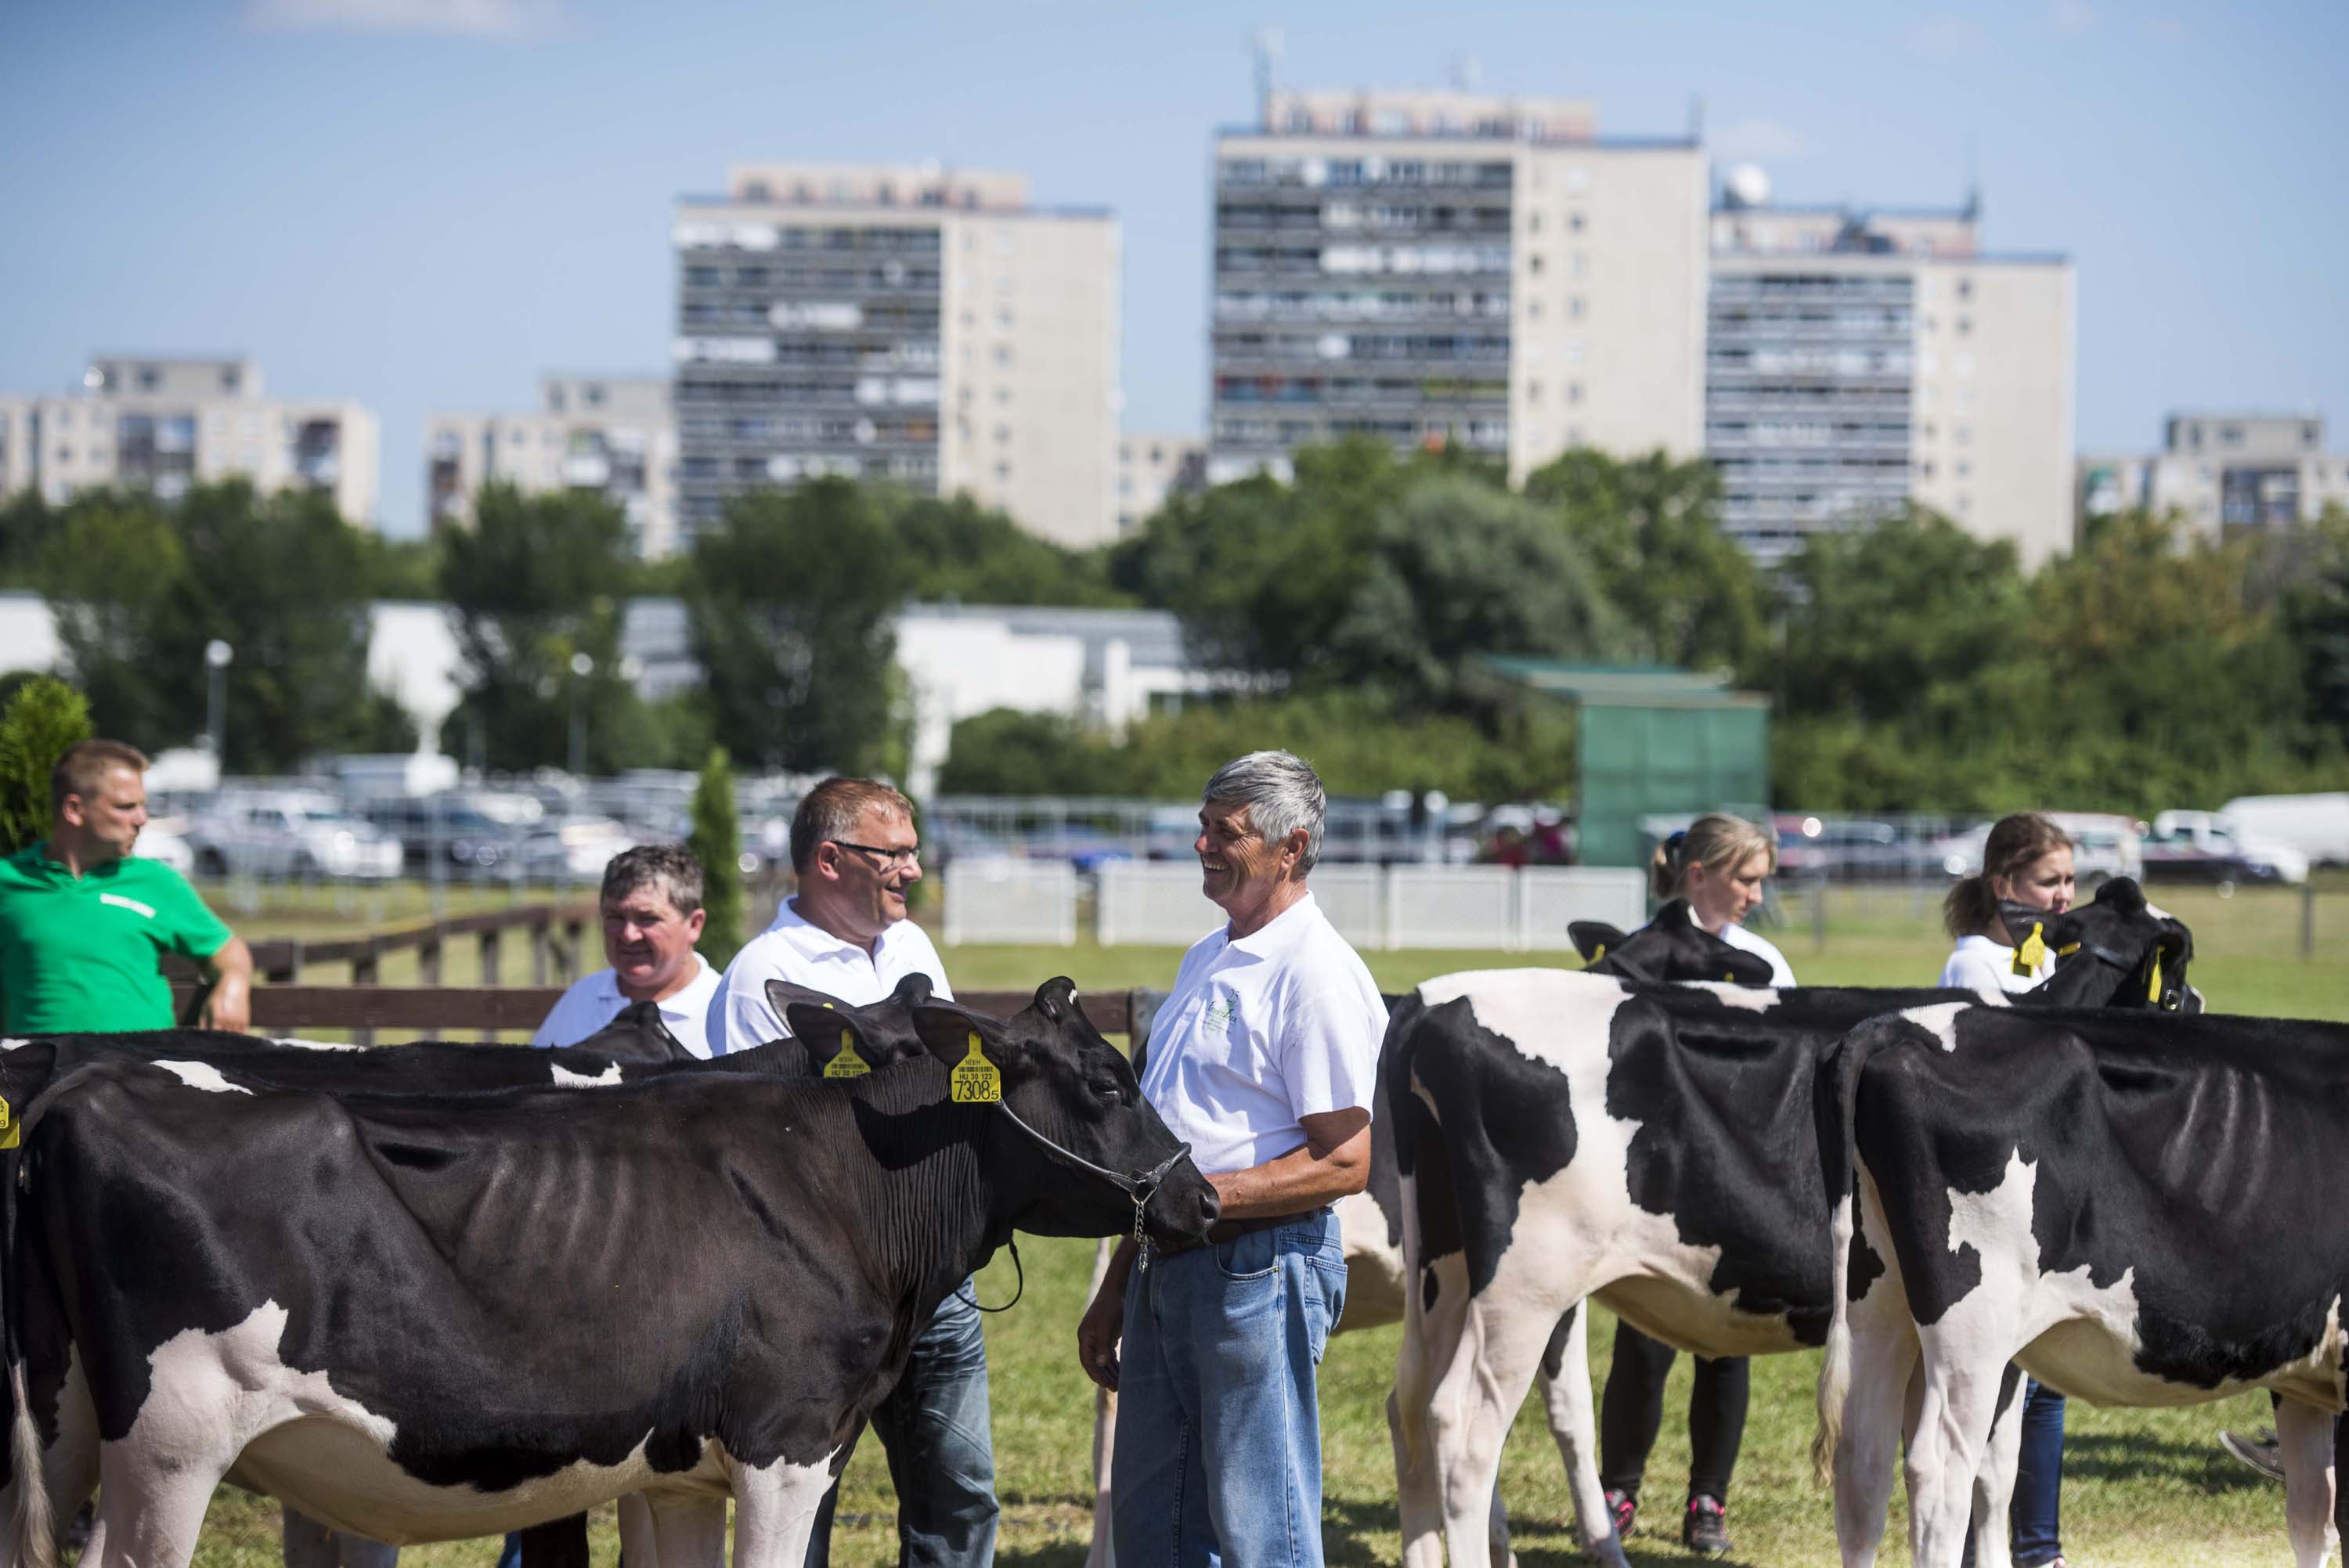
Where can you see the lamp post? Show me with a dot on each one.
(581, 666)
(217, 655)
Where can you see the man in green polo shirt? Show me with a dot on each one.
(83, 923)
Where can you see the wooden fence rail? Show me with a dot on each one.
(486, 1009)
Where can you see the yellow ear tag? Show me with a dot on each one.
(976, 1080)
(2032, 953)
(12, 1131)
(847, 1064)
(2152, 993)
(2067, 952)
(1597, 954)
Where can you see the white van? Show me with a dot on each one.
(2315, 825)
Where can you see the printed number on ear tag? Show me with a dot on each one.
(12, 1131)
(976, 1080)
(2032, 953)
(847, 1064)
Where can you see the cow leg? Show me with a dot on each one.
(1879, 1409)
(1964, 1356)
(2305, 1436)
(1435, 1309)
(150, 1508)
(1994, 1483)
(639, 1537)
(1102, 1555)
(774, 1512)
(1474, 1404)
(1573, 1423)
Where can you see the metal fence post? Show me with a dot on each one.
(2308, 920)
(1819, 916)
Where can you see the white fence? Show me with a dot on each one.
(999, 899)
(1157, 904)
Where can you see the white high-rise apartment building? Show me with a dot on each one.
(1858, 361)
(2224, 472)
(162, 425)
(1150, 467)
(1446, 268)
(931, 327)
(611, 435)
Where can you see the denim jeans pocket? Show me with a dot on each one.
(1329, 1282)
(1250, 1256)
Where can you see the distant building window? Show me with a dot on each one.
(594, 393)
(1003, 470)
(2230, 434)
(1003, 354)
(1965, 288)
(754, 191)
(149, 379)
(231, 378)
(1575, 222)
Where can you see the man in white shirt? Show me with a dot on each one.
(1264, 1059)
(845, 933)
(652, 911)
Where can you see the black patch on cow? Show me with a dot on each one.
(2178, 1146)
(2008, 1382)
(1430, 1288)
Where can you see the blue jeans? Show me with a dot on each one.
(1218, 1457)
(2039, 1479)
(934, 1426)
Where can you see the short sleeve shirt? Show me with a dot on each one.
(792, 950)
(594, 1000)
(1781, 972)
(1978, 964)
(82, 954)
(1260, 1032)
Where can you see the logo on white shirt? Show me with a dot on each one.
(1217, 1017)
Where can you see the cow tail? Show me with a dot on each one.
(35, 1523)
(1840, 1146)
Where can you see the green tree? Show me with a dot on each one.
(108, 570)
(715, 842)
(963, 551)
(43, 719)
(537, 582)
(790, 606)
(1651, 529)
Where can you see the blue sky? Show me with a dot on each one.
(421, 204)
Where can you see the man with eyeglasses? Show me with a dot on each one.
(845, 933)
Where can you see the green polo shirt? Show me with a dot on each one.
(82, 952)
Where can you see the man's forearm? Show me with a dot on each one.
(1300, 1179)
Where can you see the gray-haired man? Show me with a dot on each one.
(1262, 1058)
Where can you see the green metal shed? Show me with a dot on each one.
(1652, 741)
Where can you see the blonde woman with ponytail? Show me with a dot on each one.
(1719, 865)
(2026, 860)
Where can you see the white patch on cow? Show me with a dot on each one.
(10, 1045)
(1940, 1019)
(299, 1044)
(227, 1400)
(203, 1076)
(563, 1079)
(1752, 998)
(1547, 1013)
(2158, 913)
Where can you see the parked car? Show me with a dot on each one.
(165, 839)
(2203, 846)
(1848, 849)
(572, 849)
(467, 840)
(289, 833)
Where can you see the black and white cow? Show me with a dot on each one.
(1671, 947)
(420, 1317)
(1561, 1136)
(2140, 1209)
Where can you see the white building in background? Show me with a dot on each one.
(162, 424)
(1856, 361)
(612, 436)
(1446, 268)
(1150, 467)
(931, 327)
(2224, 472)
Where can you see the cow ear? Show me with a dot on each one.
(2061, 933)
(912, 991)
(782, 996)
(2123, 895)
(1742, 968)
(1056, 1000)
(833, 1041)
(1594, 939)
(817, 1023)
(951, 1034)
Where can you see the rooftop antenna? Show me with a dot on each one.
(1265, 43)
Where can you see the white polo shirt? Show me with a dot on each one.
(1734, 934)
(1978, 964)
(1260, 1032)
(791, 949)
(594, 1000)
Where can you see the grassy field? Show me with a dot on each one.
(2143, 1487)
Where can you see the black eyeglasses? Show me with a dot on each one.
(892, 859)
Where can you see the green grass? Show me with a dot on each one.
(2143, 1487)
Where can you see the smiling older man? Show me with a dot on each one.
(651, 905)
(1262, 1058)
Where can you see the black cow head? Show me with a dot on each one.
(1670, 947)
(1077, 1097)
(637, 1035)
(2115, 951)
(838, 1041)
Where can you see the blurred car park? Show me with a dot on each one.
(289, 833)
(2104, 846)
(2204, 847)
